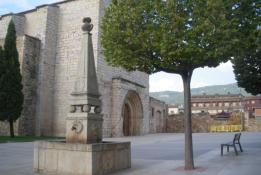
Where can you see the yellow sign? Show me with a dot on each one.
(225, 128)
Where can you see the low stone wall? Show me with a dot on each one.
(200, 123)
(253, 125)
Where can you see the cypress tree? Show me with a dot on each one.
(1, 61)
(2, 95)
(11, 81)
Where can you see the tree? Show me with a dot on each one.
(2, 93)
(2, 70)
(1, 61)
(166, 35)
(11, 104)
(247, 61)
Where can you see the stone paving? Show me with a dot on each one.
(160, 154)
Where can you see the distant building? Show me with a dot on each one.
(173, 109)
(158, 116)
(257, 113)
(250, 103)
(214, 104)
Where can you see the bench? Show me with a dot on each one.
(235, 141)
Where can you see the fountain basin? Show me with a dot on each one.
(81, 159)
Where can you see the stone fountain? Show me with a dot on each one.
(83, 152)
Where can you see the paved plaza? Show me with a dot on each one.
(160, 154)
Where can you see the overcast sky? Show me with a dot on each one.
(223, 74)
(158, 82)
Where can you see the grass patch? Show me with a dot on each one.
(4, 139)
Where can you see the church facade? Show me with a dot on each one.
(49, 45)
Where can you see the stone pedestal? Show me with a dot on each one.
(84, 129)
(81, 159)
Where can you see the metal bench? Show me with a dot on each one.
(236, 140)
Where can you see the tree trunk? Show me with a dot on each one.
(11, 124)
(189, 161)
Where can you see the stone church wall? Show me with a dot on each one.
(29, 69)
(108, 77)
(5, 129)
(19, 21)
(68, 51)
(121, 87)
(42, 24)
(58, 27)
(29, 50)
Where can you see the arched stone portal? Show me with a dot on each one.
(132, 114)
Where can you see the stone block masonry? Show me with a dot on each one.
(92, 159)
(29, 68)
(158, 116)
(57, 27)
(84, 153)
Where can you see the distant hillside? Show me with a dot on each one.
(173, 97)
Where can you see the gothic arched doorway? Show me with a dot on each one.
(132, 114)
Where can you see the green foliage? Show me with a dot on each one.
(175, 36)
(247, 62)
(1, 62)
(2, 72)
(11, 101)
(172, 36)
(4, 139)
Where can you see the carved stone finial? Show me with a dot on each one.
(87, 26)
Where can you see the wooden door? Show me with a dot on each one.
(126, 120)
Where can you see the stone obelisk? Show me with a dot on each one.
(84, 153)
(84, 122)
